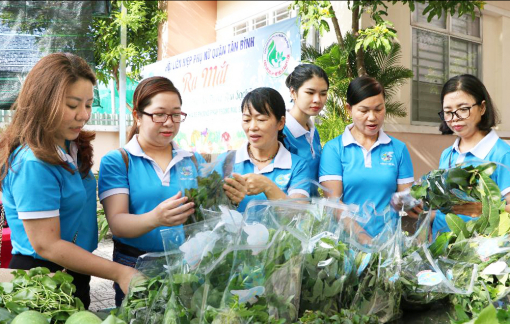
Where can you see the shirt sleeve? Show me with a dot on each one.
(405, 168)
(299, 181)
(330, 167)
(503, 175)
(36, 188)
(113, 177)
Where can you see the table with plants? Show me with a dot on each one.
(305, 261)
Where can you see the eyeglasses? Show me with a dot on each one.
(461, 113)
(162, 117)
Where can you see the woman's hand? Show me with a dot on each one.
(256, 183)
(472, 209)
(415, 211)
(235, 188)
(172, 212)
(125, 277)
(364, 238)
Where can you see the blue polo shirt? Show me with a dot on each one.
(34, 189)
(490, 148)
(146, 184)
(304, 143)
(367, 176)
(288, 171)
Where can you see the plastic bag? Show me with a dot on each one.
(375, 260)
(426, 279)
(493, 280)
(327, 266)
(193, 284)
(444, 188)
(265, 281)
(206, 191)
(144, 288)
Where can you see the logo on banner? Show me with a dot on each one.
(276, 54)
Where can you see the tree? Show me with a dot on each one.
(142, 23)
(316, 13)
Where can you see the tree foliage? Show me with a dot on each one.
(142, 21)
(317, 14)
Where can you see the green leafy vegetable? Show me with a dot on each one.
(37, 290)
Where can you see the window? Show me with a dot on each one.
(442, 49)
(241, 28)
(272, 16)
(281, 14)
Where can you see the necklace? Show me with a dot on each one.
(262, 161)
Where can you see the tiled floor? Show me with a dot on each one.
(102, 294)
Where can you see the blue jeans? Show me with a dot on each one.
(125, 260)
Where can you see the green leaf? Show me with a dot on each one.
(461, 315)
(504, 223)
(457, 225)
(458, 176)
(317, 290)
(487, 316)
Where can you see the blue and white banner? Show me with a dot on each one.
(214, 79)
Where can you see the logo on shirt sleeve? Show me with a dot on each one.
(387, 158)
(282, 180)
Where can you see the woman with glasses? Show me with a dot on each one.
(140, 185)
(364, 164)
(469, 113)
(49, 192)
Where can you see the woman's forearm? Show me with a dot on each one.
(73, 257)
(272, 191)
(131, 226)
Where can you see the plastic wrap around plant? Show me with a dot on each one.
(265, 282)
(206, 190)
(426, 279)
(469, 182)
(144, 289)
(328, 266)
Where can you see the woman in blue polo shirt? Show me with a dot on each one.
(140, 186)
(49, 192)
(308, 85)
(364, 164)
(269, 169)
(469, 113)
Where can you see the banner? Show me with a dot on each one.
(214, 79)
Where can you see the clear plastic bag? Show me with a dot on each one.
(265, 281)
(327, 266)
(193, 284)
(374, 287)
(144, 288)
(426, 279)
(206, 190)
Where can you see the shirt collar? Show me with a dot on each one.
(134, 148)
(482, 149)
(295, 127)
(348, 139)
(72, 157)
(282, 160)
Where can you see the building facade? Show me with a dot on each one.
(434, 51)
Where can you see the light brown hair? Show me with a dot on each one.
(39, 111)
(144, 92)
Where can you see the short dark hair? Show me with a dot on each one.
(472, 86)
(303, 73)
(362, 88)
(266, 101)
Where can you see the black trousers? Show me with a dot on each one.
(81, 281)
